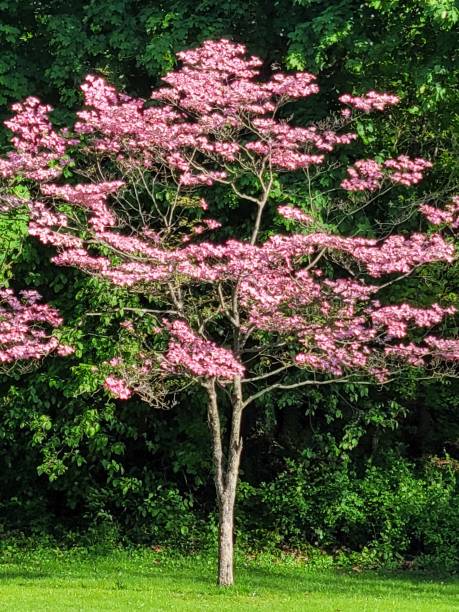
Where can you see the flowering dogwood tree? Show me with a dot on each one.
(236, 314)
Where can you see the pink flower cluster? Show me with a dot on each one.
(47, 225)
(400, 253)
(364, 175)
(117, 387)
(207, 224)
(407, 171)
(396, 318)
(187, 122)
(190, 352)
(350, 291)
(91, 197)
(447, 216)
(444, 348)
(367, 174)
(433, 348)
(294, 214)
(410, 353)
(39, 151)
(23, 327)
(370, 101)
(220, 69)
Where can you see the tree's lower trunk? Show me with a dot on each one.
(226, 539)
(225, 475)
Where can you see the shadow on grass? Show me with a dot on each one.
(189, 575)
(342, 582)
(11, 575)
(291, 578)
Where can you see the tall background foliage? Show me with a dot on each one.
(346, 468)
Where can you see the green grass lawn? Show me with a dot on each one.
(143, 580)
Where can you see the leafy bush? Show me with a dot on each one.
(153, 515)
(391, 513)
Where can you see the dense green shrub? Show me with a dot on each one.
(158, 514)
(391, 512)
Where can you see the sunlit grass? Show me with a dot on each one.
(53, 580)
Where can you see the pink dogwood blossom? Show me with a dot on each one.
(295, 214)
(370, 101)
(117, 387)
(449, 215)
(198, 356)
(26, 326)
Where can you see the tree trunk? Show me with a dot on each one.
(226, 501)
(225, 540)
(225, 477)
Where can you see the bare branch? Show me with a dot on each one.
(268, 374)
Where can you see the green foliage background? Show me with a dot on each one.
(360, 470)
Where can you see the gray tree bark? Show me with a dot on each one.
(226, 471)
